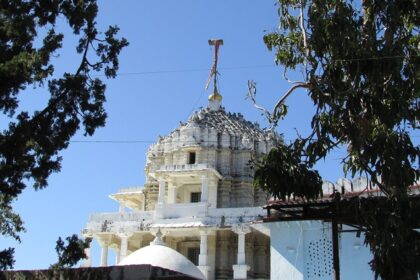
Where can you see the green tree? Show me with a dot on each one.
(70, 254)
(360, 63)
(30, 145)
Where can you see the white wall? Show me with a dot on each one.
(303, 250)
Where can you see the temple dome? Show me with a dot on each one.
(203, 126)
(164, 257)
(232, 123)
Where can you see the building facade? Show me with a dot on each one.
(199, 193)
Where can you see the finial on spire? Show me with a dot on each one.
(215, 98)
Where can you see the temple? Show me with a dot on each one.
(199, 194)
(199, 214)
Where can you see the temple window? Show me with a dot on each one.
(191, 158)
(193, 253)
(195, 197)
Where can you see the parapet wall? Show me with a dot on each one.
(130, 272)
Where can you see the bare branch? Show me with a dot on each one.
(274, 116)
(287, 79)
(286, 95)
(302, 28)
(252, 92)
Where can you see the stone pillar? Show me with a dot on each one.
(204, 188)
(171, 193)
(241, 268)
(202, 258)
(203, 262)
(161, 197)
(124, 245)
(212, 193)
(104, 254)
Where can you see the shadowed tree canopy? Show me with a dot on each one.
(30, 144)
(360, 66)
(69, 254)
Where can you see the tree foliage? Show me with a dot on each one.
(360, 62)
(282, 173)
(70, 254)
(30, 144)
(388, 225)
(6, 258)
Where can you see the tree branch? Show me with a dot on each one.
(288, 93)
(302, 28)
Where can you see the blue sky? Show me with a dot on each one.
(164, 36)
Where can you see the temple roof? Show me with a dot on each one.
(222, 121)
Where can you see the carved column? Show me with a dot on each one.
(161, 197)
(203, 263)
(104, 242)
(240, 268)
(171, 193)
(124, 245)
(104, 254)
(204, 188)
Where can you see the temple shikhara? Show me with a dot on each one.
(198, 194)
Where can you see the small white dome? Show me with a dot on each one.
(165, 257)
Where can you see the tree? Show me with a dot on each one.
(70, 254)
(6, 258)
(360, 63)
(30, 145)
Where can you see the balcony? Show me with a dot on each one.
(181, 210)
(171, 215)
(116, 222)
(187, 170)
(184, 167)
(230, 216)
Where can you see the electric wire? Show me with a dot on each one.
(174, 71)
(150, 141)
(239, 67)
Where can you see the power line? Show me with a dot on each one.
(239, 67)
(113, 141)
(146, 141)
(193, 70)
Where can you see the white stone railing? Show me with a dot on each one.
(117, 222)
(231, 216)
(184, 167)
(181, 210)
(178, 213)
(116, 227)
(236, 212)
(119, 217)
